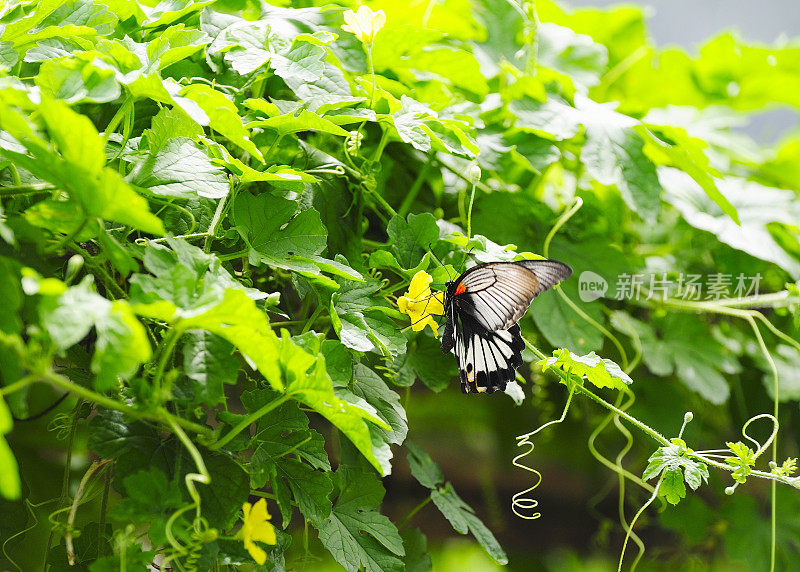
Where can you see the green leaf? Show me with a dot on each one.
(280, 238)
(315, 389)
(411, 238)
(686, 347)
(310, 489)
(76, 79)
(223, 116)
(422, 127)
(182, 170)
(10, 485)
(291, 122)
(424, 360)
(174, 44)
(133, 445)
(758, 206)
(122, 343)
(117, 254)
(672, 487)
(167, 124)
(209, 365)
(463, 519)
(356, 534)
(279, 175)
(684, 157)
(563, 327)
(385, 403)
(427, 473)
(168, 11)
(744, 459)
(330, 91)
(79, 170)
(338, 362)
(677, 468)
(613, 155)
(359, 322)
(269, 225)
(574, 55)
(553, 119)
(601, 372)
(237, 319)
(149, 499)
(246, 45)
(284, 431)
(787, 362)
(304, 62)
(416, 547)
(222, 498)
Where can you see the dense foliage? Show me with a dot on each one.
(209, 209)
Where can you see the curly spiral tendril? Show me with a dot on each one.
(194, 548)
(759, 447)
(520, 504)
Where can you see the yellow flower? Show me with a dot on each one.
(420, 304)
(364, 24)
(256, 526)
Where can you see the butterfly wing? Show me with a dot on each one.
(497, 294)
(487, 361)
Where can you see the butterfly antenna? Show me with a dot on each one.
(436, 258)
(464, 260)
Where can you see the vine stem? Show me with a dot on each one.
(371, 67)
(576, 205)
(469, 211)
(202, 476)
(73, 511)
(389, 208)
(15, 190)
(415, 187)
(652, 498)
(108, 280)
(414, 511)
(632, 420)
(159, 415)
(65, 479)
(166, 353)
(245, 423)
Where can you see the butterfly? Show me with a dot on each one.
(482, 307)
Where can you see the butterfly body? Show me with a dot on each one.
(482, 307)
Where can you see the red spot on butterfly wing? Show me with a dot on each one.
(460, 289)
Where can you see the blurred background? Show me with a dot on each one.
(689, 23)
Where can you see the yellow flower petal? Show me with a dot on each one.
(351, 23)
(378, 21)
(364, 23)
(420, 304)
(256, 552)
(256, 527)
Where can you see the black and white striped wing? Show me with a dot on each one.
(487, 361)
(497, 294)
